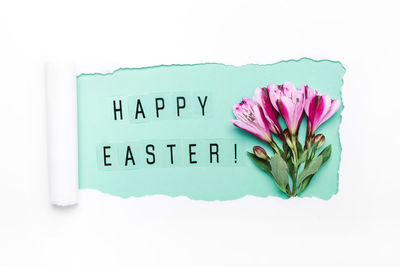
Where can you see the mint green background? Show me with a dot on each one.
(227, 84)
(117, 154)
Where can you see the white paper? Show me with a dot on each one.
(62, 133)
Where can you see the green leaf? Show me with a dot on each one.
(326, 153)
(299, 147)
(279, 171)
(306, 182)
(291, 168)
(280, 150)
(261, 163)
(311, 169)
(302, 158)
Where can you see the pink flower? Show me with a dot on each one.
(319, 108)
(251, 119)
(262, 97)
(289, 102)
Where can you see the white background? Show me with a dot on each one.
(357, 227)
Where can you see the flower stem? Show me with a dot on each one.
(307, 147)
(274, 146)
(295, 160)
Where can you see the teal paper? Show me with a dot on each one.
(225, 85)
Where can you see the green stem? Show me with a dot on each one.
(295, 159)
(308, 146)
(284, 146)
(274, 146)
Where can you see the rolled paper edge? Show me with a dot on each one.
(62, 133)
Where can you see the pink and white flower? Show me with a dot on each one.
(289, 102)
(250, 118)
(319, 108)
(261, 96)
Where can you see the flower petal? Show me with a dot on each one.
(262, 97)
(262, 122)
(259, 95)
(312, 107)
(248, 101)
(289, 89)
(274, 93)
(287, 110)
(309, 94)
(299, 110)
(236, 107)
(334, 107)
(248, 128)
(323, 105)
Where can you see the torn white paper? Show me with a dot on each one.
(62, 133)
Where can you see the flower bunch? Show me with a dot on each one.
(294, 165)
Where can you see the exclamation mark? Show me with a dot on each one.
(235, 153)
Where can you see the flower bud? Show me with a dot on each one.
(318, 140)
(260, 152)
(287, 138)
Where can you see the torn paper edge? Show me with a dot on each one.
(62, 133)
